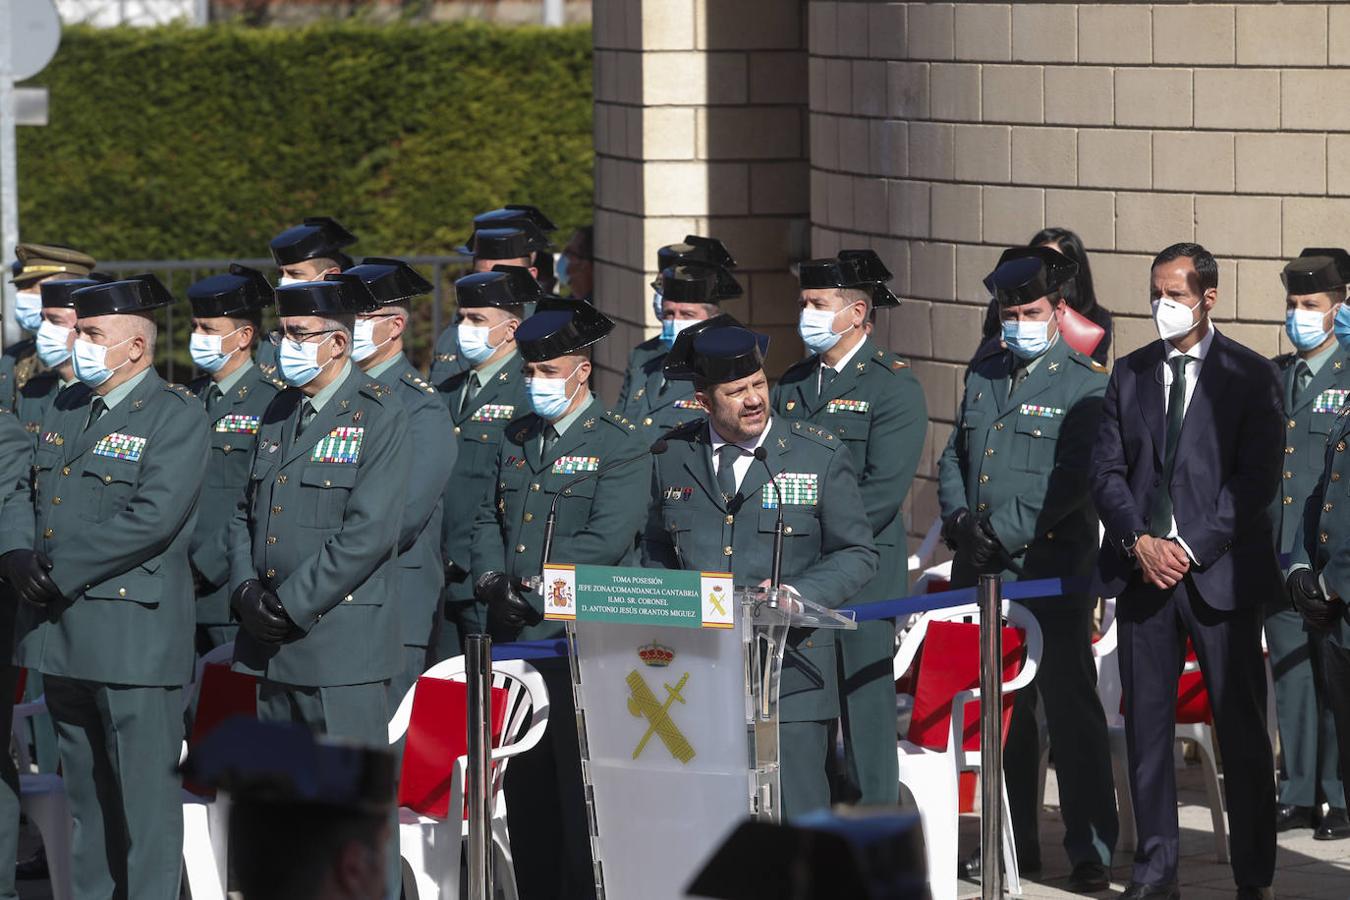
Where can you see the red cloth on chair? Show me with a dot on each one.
(437, 736)
(223, 694)
(951, 663)
(20, 684)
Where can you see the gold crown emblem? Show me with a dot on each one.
(655, 654)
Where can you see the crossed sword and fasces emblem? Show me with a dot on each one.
(643, 704)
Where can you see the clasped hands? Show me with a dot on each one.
(1163, 561)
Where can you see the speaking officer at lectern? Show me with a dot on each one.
(1013, 491)
(715, 510)
(568, 434)
(1189, 551)
(875, 406)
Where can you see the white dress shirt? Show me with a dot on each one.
(1197, 356)
(747, 457)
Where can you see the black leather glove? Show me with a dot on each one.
(26, 572)
(955, 529)
(964, 532)
(260, 612)
(987, 554)
(1305, 593)
(507, 609)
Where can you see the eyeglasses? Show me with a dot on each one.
(299, 337)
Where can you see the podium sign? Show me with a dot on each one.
(677, 744)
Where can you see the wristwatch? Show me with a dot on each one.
(1129, 543)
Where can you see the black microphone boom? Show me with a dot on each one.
(775, 579)
(551, 522)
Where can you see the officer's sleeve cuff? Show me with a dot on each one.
(1184, 546)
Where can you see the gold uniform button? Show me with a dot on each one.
(984, 479)
(276, 510)
(1335, 476)
(1049, 535)
(456, 429)
(1340, 447)
(730, 519)
(534, 488)
(1288, 501)
(347, 599)
(501, 485)
(121, 592)
(810, 644)
(271, 573)
(520, 548)
(48, 533)
(1288, 474)
(529, 517)
(988, 451)
(1292, 423)
(1291, 449)
(998, 426)
(1326, 507)
(982, 507)
(485, 437)
(647, 421)
(227, 448)
(1323, 538)
(787, 530)
(568, 492)
(281, 479)
(1035, 432)
(271, 539)
(66, 470)
(727, 551)
(107, 479)
(56, 501)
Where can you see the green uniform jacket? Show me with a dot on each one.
(1308, 422)
(421, 572)
(1023, 461)
(234, 429)
(18, 363)
(446, 360)
(16, 451)
(1323, 537)
(478, 430)
(598, 520)
(648, 400)
(876, 408)
(36, 399)
(114, 507)
(319, 524)
(828, 554)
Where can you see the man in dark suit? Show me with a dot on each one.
(1190, 552)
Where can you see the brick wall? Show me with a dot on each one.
(700, 127)
(940, 133)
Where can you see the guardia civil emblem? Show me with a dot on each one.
(643, 704)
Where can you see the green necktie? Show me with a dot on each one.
(1302, 378)
(550, 438)
(1160, 513)
(1019, 376)
(307, 414)
(96, 411)
(213, 398)
(470, 391)
(727, 455)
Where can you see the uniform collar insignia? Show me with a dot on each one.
(243, 392)
(589, 423)
(137, 404)
(344, 403)
(356, 416)
(1337, 365)
(791, 405)
(1053, 367)
(862, 366)
(505, 376)
(782, 443)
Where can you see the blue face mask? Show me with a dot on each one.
(299, 362)
(28, 310)
(549, 397)
(51, 344)
(475, 343)
(1306, 328)
(816, 328)
(1026, 339)
(672, 327)
(1341, 326)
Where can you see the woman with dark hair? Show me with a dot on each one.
(1078, 293)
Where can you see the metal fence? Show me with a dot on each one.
(175, 322)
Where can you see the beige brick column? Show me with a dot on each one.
(941, 133)
(700, 127)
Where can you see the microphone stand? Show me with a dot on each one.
(776, 567)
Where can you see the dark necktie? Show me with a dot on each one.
(550, 438)
(1019, 376)
(470, 391)
(727, 455)
(96, 410)
(307, 414)
(213, 398)
(1302, 377)
(1160, 515)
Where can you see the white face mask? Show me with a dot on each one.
(1172, 318)
(299, 362)
(53, 344)
(206, 351)
(91, 361)
(28, 310)
(816, 327)
(474, 342)
(363, 339)
(286, 280)
(549, 397)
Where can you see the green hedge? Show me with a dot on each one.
(176, 143)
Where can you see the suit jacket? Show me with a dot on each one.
(876, 408)
(598, 520)
(1023, 459)
(1226, 472)
(828, 554)
(421, 571)
(234, 429)
(648, 400)
(114, 506)
(319, 524)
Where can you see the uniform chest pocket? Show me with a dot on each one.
(324, 489)
(574, 506)
(107, 486)
(1034, 443)
(44, 461)
(970, 429)
(230, 456)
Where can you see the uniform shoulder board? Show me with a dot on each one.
(688, 429)
(446, 357)
(268, 368)
(417, 381)
(618, 421)
(180, 391)
(375, 390)
(889, 361)
(1098, 367)
(276, 382)
(1087, 362)
(815, 433)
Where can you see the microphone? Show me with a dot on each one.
(656, 449)
(775, 579)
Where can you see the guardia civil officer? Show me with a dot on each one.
(34, 265)
(482, 402)
(1316, 382)
(875, 406)
(377, 347)
(53, 341)
(713, 508)
(514, 235)
(306, 252)
(689, 292)
(568, 433)
(15, 455)
(314, 542)
(106, 580)
(1013, 492)
(226, 324)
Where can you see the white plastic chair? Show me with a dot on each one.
(933, 776)
(42, 798)
(432, 847)
(205, 819)
(918, 560)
